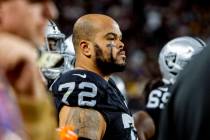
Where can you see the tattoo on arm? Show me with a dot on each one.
(88, 123)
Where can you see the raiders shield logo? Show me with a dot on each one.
(170, 59)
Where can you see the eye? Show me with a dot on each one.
(37, 1)
(111, 38)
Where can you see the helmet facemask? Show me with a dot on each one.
(55, 45)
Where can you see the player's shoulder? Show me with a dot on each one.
(81, 75)
(78, 76)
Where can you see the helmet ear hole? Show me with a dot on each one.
(176, 54)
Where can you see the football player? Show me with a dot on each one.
(172, 59)
(90, 101)
(59, 53)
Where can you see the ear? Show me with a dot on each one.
(85, 47)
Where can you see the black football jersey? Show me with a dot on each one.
(155, 103)
(88, 90)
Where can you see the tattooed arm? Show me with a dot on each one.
(88, 123)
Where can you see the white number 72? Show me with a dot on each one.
(82, 94)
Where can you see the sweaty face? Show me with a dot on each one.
(109, 51)
(27, 18)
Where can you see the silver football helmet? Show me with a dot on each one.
(56, 44)
(54, 38)
(176, 54)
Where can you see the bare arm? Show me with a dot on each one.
(144, 125)
(88, 123)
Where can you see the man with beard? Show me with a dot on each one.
(90, 101)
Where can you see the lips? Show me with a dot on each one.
(122, 54)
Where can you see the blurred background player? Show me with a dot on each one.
(22, 24)
(60, 53)
(54, 38)
(186, 116)
(172, 60)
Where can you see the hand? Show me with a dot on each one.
(18, 62)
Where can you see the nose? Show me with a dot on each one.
(50, 10)
(121, 45)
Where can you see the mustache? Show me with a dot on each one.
(112, 46)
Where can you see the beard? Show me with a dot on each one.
(109, 66)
